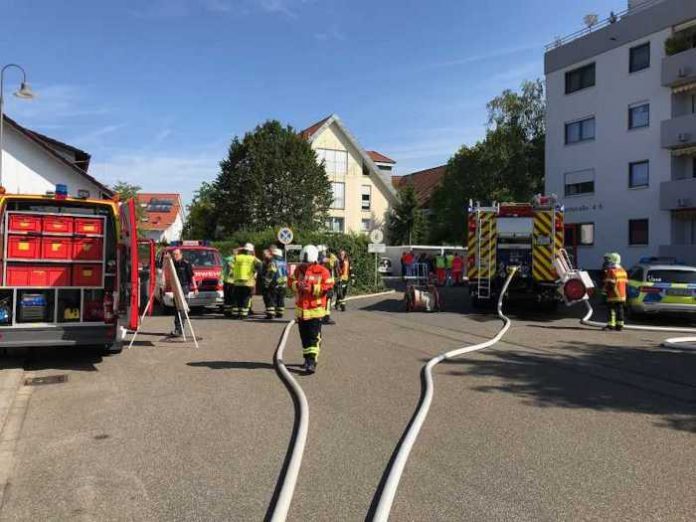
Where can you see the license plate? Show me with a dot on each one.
(680, 292)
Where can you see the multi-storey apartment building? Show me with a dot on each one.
(621, 133)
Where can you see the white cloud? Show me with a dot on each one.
(160, 172)
(500, 53)
(53, 103)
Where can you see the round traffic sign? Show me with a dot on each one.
(285, 235)
(376, 236)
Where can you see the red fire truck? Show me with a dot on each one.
(69, 271)
(207, 270)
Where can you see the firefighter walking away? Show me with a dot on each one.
(311, 283)
(615, 282)
(275, 278)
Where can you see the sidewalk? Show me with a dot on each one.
(12, 408)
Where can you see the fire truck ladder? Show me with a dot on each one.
(484, 278)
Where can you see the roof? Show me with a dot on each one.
(48, 144)
(82, 158)
(425, 182)
(156, 219)
(311, 132)
(378, 157)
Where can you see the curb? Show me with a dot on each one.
(365, 296)
(14, 400)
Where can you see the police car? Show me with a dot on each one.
(661, 285)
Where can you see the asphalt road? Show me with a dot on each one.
(559, 422)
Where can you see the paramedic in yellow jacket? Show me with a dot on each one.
(246, 266)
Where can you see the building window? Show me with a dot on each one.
(365, 225)
(639, 58)
(339, 195)
(578, 131)
(579, 183)
(638, 231)
(586, 234)
(335, 224)
(366, 169)
(639, 116)
(639, 174)
(579, 79)
(335, 161)
(366, 197)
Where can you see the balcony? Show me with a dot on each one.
(679, 69)
(679, 132)
(678, 194)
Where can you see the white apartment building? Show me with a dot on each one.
(621, 133)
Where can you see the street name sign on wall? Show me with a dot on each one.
(376, 248)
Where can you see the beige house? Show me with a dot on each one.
(363, 193)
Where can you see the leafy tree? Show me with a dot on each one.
(508, 165)
(406, 223)
(201, 220)
(128, 191)
(269, 178)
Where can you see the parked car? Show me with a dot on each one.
(385, 266)
(666, 287)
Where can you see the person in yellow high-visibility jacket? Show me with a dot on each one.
(246, 265)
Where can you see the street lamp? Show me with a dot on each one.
(24, 93)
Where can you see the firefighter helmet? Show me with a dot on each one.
(309, 254)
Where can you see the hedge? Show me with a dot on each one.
(355, 245)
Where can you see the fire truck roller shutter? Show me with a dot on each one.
(543, 248)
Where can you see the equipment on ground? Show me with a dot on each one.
(527, 235)
(421, 294)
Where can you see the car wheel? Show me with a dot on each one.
(112, 349)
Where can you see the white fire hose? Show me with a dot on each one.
(386, 496)
(279, 511)
(675, 342)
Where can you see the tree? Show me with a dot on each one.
(406, 223)
(270, 178)
(126, 191)
(508, 165)
(201, 220)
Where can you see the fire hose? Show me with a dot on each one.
(278, 511)
(675, 342)
(386, 496)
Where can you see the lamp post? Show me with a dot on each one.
(24, 93)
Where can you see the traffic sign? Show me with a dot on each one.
(376, 236)
(376, 248)
(285, 235)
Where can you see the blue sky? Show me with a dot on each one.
(155, 90)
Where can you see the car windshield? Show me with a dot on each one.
(671, 276)
(202, 257)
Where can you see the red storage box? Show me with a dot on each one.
(24, 223)
(87, 275)
(89, 226)
(57, 225)
(23, 247)
(56, 248)
(87, 249)
(38, 275)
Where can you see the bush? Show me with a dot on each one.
(679, 42)
(355, 245)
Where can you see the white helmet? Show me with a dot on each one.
(309, 254)
(249, 247)
(321, 248)
(275, 251)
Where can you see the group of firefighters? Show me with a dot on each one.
(446, 267)
(319, 282)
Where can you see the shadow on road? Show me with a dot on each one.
(81, 359)
(244, 365)
(599, 377)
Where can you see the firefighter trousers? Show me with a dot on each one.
(242, 301)
(616, 314)
(274, 299)
(310, 334)
(341, 293)
(228, 292)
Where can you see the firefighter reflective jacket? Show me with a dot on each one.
(331, 264)
(310, 284)
(344, 269)
(440, 262)
(615, 282)
(457, 264)
(228, 270)
(245, 268)
(276, 273)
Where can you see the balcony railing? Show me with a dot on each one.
(679, 132)
(679, 68)
(612, 19)
(678, 194)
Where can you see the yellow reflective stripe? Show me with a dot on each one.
(317, 290)
(314, 313)
(330, 281)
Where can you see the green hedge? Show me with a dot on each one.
(355, 245)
